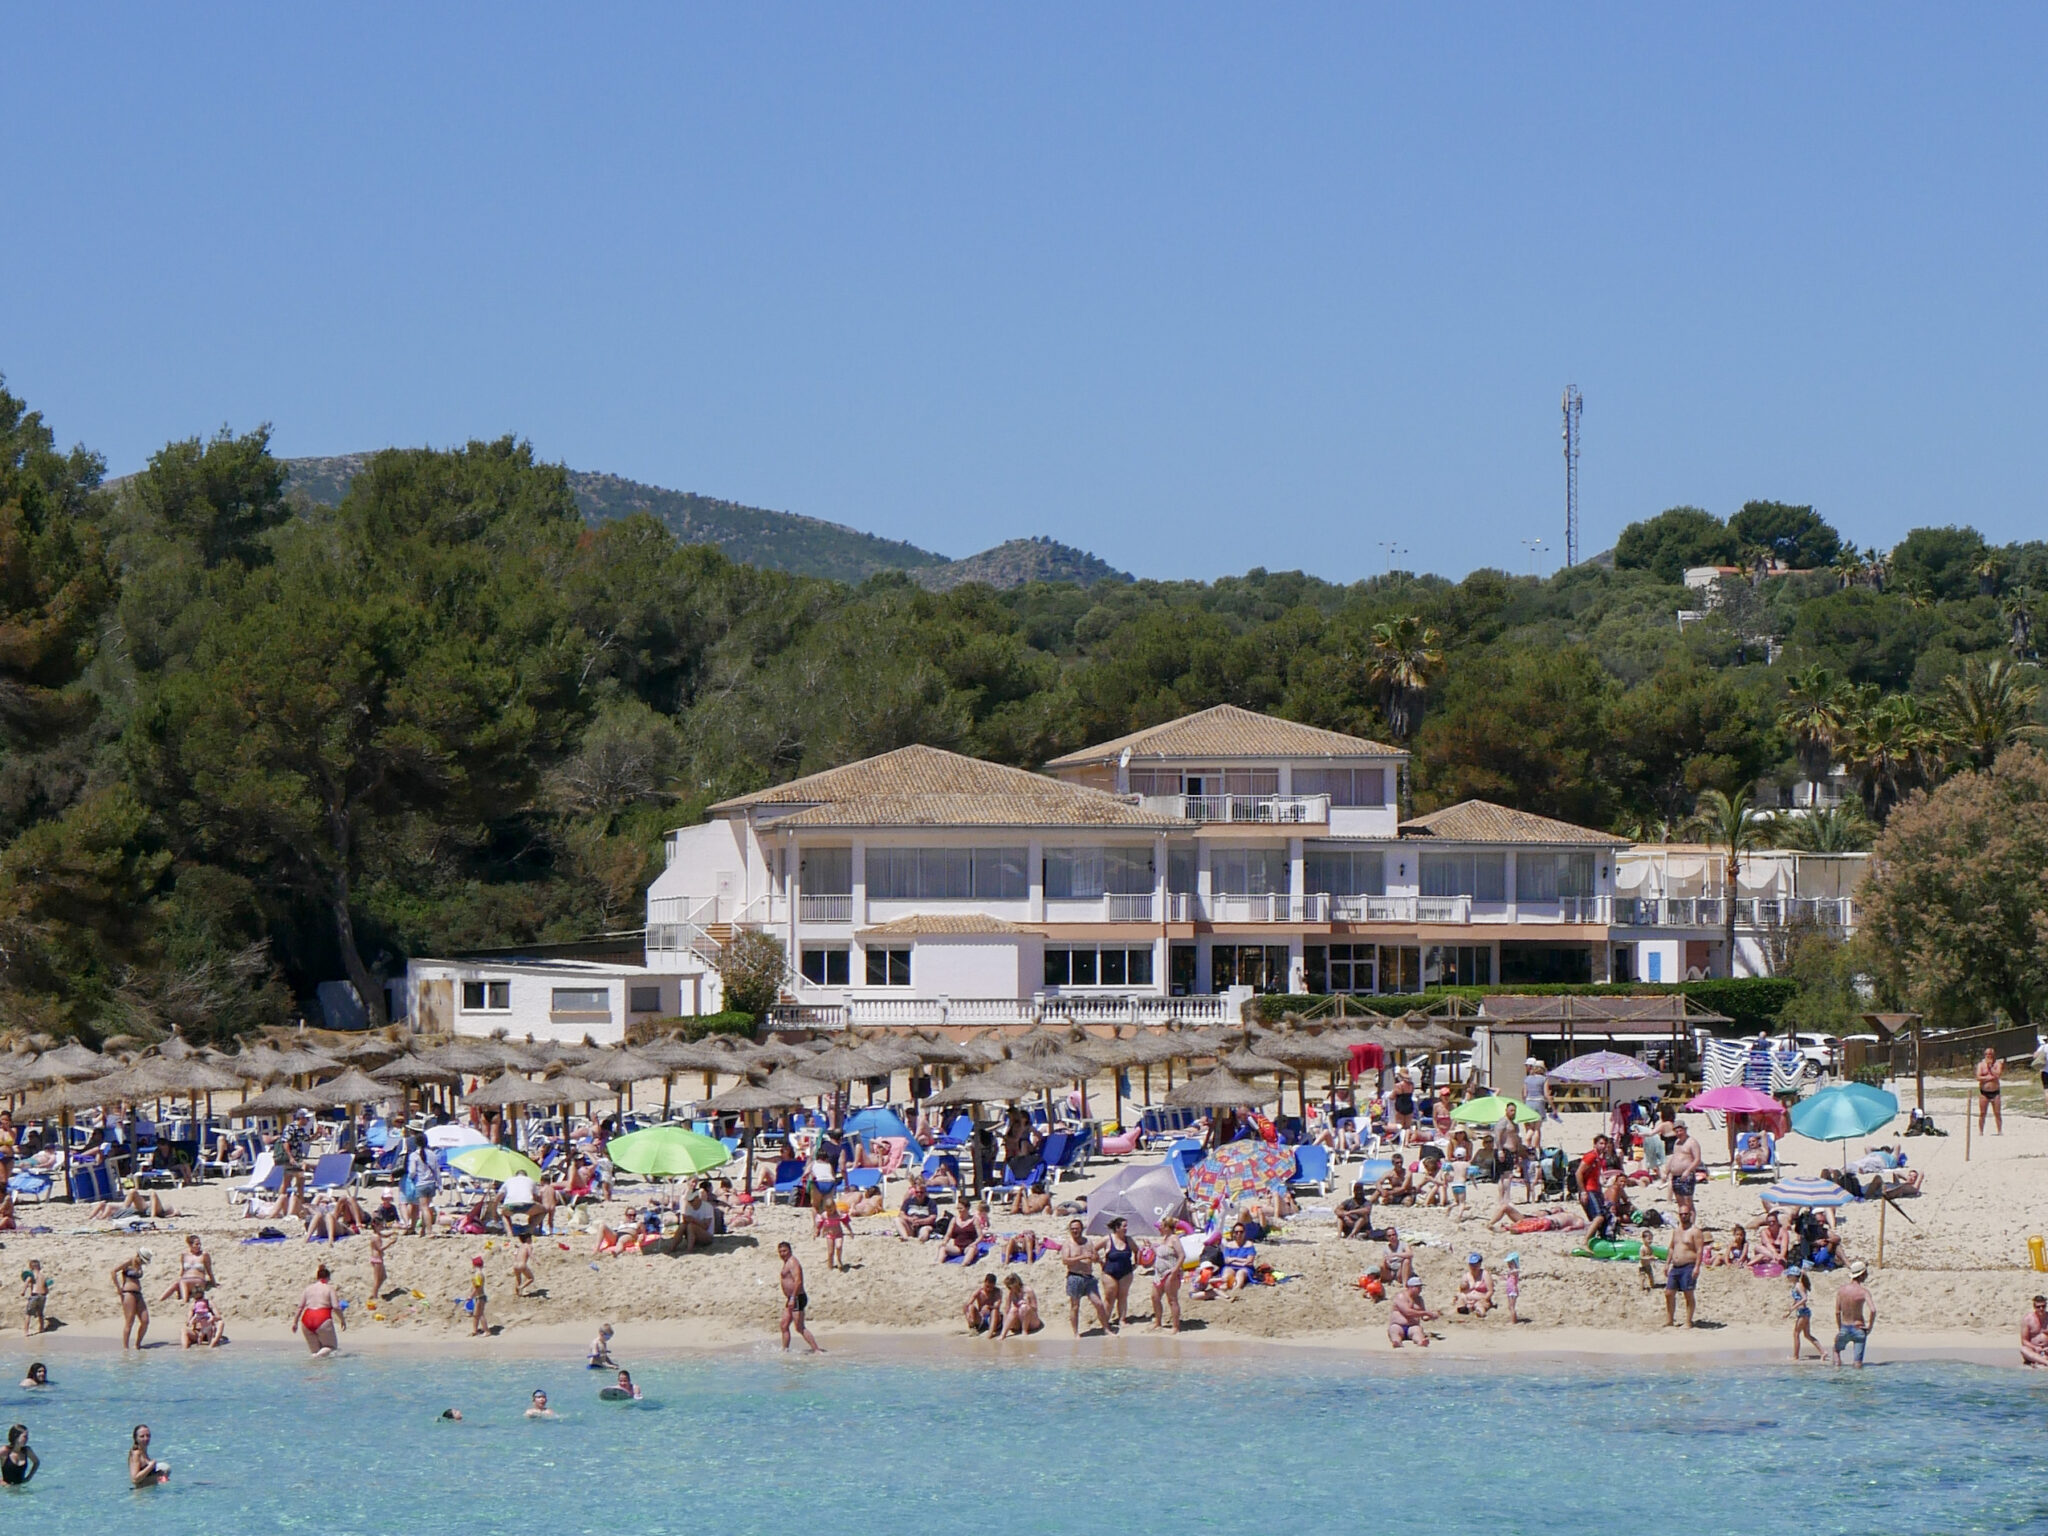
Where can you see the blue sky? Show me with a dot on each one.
(1198, 289)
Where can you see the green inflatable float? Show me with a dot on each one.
(1628, 1251)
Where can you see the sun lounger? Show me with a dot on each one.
(1311, 1168)
(266, 1178)
(337, 1170)
(1756, 1156)
(941, 1171)
(956, 1135)
(789, 1180)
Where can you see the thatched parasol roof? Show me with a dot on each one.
(620, 1067)
(1220, 1089)
(352, 1087)
(750, 1095)
(415, 1069)
(799, 1082)
(511, 1088)
(570, 1089)
(281, 1099)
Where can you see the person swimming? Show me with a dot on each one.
(452, 1415)
(539, 1408)
(626, 1385)
(38, 1376)
(18, 1463)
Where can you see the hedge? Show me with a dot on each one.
(1753, 1004)
(697, 1026)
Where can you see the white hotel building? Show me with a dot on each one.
(1156, 875)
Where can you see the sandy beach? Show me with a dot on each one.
(1953, 1284)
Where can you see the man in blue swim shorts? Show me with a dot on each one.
(1684, 1274)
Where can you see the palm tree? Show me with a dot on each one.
(1405, 659)
(1886, 742)
(1849, 565)
(1813, 714)
(1988, 571)
(1841, 828)
(1987, 709)
(2018, 608)
(1731, 823)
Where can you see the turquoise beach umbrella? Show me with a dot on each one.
(1843, 1111)
(667, 1152)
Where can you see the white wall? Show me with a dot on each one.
(698, 856)
(979, 966)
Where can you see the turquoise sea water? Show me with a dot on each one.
(751, 1443)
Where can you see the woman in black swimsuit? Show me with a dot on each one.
(18, 1463)
(1119, 1264)
(127, 1277)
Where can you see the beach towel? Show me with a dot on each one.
(981, 1251)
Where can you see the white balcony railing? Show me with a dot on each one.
(1835, 913)
(984, 1012)
(1279, 810)
(1127, 909)
(824, 909)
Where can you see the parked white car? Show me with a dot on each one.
(1823, 1053)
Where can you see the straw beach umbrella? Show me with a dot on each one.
(748, 1099)
(279, 1099)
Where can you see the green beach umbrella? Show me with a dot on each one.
(494, 1163)
(1491, 1108)
(667, 1152)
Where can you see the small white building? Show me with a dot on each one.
(548, 999)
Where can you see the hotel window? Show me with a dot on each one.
(1093, 967)
(1339, 967)
(1079, 874)
(1262, 967)
(1344, 786)
(1181, 970)
(595, 1000)
(1345, 871)
(826, 871)
(1457, 965)
(888, 967)
(644, 1000)
(1400, 968)
(1180, 869)
(825, 966)
(946, 874)
(1155, 781)
(486, 996)
(1248, 871)
(1545, 876)
(1481, 876)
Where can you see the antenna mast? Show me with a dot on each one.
(1572, 406)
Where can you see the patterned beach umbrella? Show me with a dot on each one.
(1602, 1067)
(1241, 1168)
(1806, 1192)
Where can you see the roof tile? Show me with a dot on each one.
(1227, 731)
(1481, 821)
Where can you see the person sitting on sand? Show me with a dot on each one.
(919, 1215)
(1354, 1213)
(984, 1303)
(1021, 1248)
(1018, 1314)
(963, 1235)
(1475, 1290)
(1405, 1325)
(1396, 1264)
(1769, 1241)
(865, 1202)
(203, 1327)
(195, 1272)
(2034, 1333)
(1735, 1255)
(1396, 1186)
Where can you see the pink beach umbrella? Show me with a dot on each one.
(1735, 1099)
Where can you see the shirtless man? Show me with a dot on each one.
(795, 1299)
(1990, 1083)
(1080, 1257)
(1684, 1271)
(2034, 1334)
(1684, 1166)
(1855, 1315)
(1405, 1326)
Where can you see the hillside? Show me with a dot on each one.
(1019, 562)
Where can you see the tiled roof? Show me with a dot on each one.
(1227, 731)
(1480, 821)
(930, 787)
(948, 923)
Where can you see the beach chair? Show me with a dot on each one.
(1311, 1168)
(1183, 1157)
(1756, 1156)
(789, 1180)
(941, 1172)
(1073, 1157)
(90, 1181)
(864, 1178)
(335, 1171)
(956, 1135)
(265, 1178)
(31, 1186)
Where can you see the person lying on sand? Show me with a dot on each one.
(139, 1202)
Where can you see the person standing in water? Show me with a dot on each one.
(1855, 1315)
(18, 1463)
(795, 1299)
(319, 1314)
(143, 1470)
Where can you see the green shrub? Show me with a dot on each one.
(1751, 1003)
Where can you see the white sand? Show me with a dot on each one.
(1954, 1282)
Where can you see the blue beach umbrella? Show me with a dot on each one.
(1844, 1111)
(1806, 1192)
(875, 1123)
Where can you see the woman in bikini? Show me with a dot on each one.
(319, 1314)
(1018, 1312)
(143, 1471)
(195, 1272)
(1990, 1083)
(127, 1277)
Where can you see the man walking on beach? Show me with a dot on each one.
(1080, 1255)
(1683, 1275)
(1855, 1314)
(795, 1299)
(1684, 1165)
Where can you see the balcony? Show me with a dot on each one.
(1262, 810)
(1837, 914)
(986, 1012)
(824, 909)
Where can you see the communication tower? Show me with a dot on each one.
(1572, 405)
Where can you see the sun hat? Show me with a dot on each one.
(1513, 1258)
(1474, 1258)
(478, 1261)
(1858, 1270)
